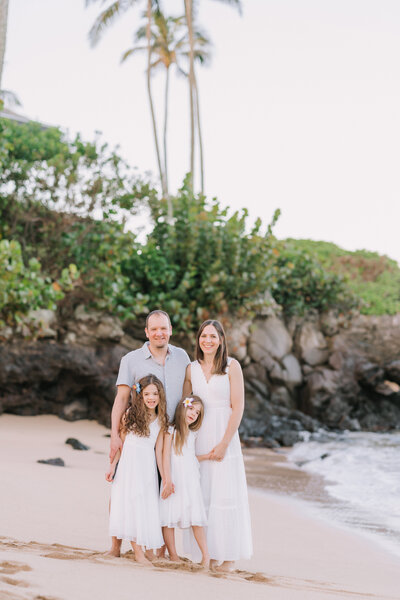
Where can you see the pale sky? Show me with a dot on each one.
(300, 105)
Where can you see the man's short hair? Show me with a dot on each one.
(157, 312)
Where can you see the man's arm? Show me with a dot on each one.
(118, 409)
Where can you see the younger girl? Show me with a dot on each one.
(134, 512)
(181, 503)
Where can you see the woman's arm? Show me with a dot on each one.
(237, 402)
(167, 484)
(187, 384)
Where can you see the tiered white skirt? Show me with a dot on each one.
(185, 507)
(224, 491)
(134, 511)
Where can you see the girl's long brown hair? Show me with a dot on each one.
(180, 425)
(221, 357)
(137, 417)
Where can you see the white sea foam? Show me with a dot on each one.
(362, 470)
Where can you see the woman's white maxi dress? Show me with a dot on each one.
(134, 511)
(223, 483)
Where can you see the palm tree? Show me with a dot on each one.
(102, 22)
(169, 44)
(189, 6)
(3, 34)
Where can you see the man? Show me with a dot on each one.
(156, 357)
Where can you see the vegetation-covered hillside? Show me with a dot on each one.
(373, 278)
(64, 205)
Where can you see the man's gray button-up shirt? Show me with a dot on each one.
(139, 363)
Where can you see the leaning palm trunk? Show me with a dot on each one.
(189, 21)
(165, 128)
(200, 136)
(3, 34)
(153, 118)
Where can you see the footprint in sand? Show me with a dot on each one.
(9, 567)
(15, 582)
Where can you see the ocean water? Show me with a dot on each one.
(361, 474)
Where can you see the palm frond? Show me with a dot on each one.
(235, 3)
(107, 18)
(131, 51)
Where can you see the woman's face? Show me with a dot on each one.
(209, 340)
(192, 413)
(151, 397)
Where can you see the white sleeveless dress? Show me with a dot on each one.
(185, 507)
(223, 483)
(134, 510)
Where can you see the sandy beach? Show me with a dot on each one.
(54, 520)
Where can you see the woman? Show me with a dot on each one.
(218, 380)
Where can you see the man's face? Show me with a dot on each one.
(158, 331)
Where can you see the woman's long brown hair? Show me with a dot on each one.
(180, 425)
(137, 417)
(221, 357)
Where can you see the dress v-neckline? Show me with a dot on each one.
(204, 375)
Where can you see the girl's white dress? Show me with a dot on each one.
(134, 511)
(223, 483)
(185, 507)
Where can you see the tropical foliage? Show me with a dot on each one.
(63, 212)
(374, 279)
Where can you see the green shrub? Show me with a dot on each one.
(302, 283)
(24, 288)
(373, 278)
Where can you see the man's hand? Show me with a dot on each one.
(110, 474)
(115, 445)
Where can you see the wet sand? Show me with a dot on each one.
(53, 528)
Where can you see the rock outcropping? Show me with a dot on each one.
(311, 373)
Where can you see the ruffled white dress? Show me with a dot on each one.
(185, 507)
(134, 511)
(223, 483)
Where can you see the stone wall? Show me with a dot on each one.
(317, 373)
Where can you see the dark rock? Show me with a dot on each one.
(289, 438)
(269, 442)
(393, 371)
(78, 409)
(323, 456)
(76, 444)
(369, 374)
(56, 462)
(281, 396)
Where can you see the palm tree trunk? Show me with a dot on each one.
(200, 136)
(189, 22)
(165, 128)
(3, 34)
(153, 118)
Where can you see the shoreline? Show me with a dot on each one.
(292, 484)
(50, 516)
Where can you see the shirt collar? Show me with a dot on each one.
(148, 354)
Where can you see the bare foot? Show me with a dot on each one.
(114, 552)
(174, 558)
(149, 554)
(226, 566)
(160, 553)
(142, 560)
(213, 564)
(206, 563)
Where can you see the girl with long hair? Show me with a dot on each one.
(181, 502)
(134, 511)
